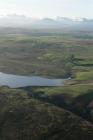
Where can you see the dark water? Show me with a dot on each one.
(14, 81)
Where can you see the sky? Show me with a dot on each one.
(48, 8)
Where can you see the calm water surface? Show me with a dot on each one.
(15, 81)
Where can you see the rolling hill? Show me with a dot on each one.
(24, 118)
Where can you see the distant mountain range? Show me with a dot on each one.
(59, 22)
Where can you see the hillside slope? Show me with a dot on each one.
(23, 118)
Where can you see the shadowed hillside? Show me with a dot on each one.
(24, 118)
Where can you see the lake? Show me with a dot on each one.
(15, 81)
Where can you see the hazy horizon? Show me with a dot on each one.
(47, 8)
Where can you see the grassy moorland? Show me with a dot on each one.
(47, 113)
(56, 55)
(25, 118)
(75, 98)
